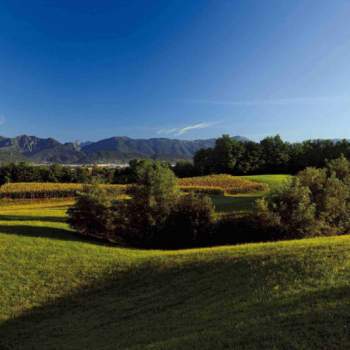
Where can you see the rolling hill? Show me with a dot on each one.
(62, 291)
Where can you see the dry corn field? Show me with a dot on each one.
(212, 184)
(227, 183)
(36, 190)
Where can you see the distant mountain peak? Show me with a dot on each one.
(109, 150)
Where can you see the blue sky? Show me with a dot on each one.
(186, 69)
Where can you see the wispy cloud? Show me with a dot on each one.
(193, 127)
(185, 129)
(280, 101)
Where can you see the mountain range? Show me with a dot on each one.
(118, 149)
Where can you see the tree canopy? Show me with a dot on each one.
(270, 155)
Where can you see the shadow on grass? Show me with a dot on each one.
(62, 234)
(225, 204)
(41, 231)
(32, 218)
(198, 305)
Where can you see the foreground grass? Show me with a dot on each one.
(60, 291)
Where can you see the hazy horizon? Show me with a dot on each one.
(81, 141)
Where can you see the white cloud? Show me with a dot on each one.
(185, 129)
(2, 119)
(193, 127)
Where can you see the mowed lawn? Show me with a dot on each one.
(61, 291)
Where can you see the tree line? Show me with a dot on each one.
(272, 155)
(24, 172)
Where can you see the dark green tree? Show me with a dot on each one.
(226, 153)
(275, 154)
(184, 168)
(90, 215)
(153, 196)
(250, 161)
(204, 161)
(190, 223)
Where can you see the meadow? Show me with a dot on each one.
(61, 291)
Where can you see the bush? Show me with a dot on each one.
(153, 196)
(237, 229)
(90, 215)
(190, 223)
(156, 215)
(339, 167)
(290, 211)
(316, 202)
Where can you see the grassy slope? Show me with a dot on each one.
(59, 291)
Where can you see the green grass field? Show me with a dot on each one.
(274, 181)
(61, 291)
(246, 202)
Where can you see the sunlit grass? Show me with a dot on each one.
(274, 181)
(61, 291)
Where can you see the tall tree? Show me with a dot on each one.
(275, 154)
(226, 154)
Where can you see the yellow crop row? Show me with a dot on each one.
(228, 183)
(34, 190)
(212, 184)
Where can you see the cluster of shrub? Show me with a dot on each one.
(315, 202)
(156, 215)
(270, 156)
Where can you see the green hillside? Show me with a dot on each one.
(60, 291)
